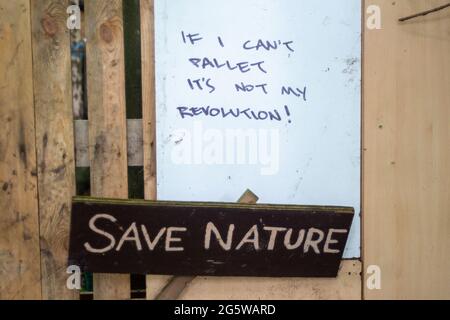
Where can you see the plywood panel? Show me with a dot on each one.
(107, 118)
(20, 272)
(346, 286)
(54, 141)
(407, 152)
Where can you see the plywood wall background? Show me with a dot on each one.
(406, 211)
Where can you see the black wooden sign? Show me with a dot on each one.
(214, 239)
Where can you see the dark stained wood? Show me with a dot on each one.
(189, 255)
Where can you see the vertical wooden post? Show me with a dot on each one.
(154, 283)
(54, 141)
(406, 218)
(20, 272)
(107, 118)
(148, 97)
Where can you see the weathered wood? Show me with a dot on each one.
(154, 283)
(148, 98)
(134, 143)
(54, 141)
(107, 118)
(81, 137)
(406, 201)
(20, 272)
(135, 150)
(248, 197)
(174, 287)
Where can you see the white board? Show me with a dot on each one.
(297, 148)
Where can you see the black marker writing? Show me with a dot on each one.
(249, 113)
(296, 92)
(197, 84)
(243, 67)
(267, 45)
(193, 38)
(220, 42)
(250, 87)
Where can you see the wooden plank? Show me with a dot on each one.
(174, 288)
(148, 98)
(81, 137)
(135, 151)
(54, 141)
(154, 283)
(134, 143)
(176, 285)
(107, 115)
(20, 272)
(407, 156)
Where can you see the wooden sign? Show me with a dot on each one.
(213, 239)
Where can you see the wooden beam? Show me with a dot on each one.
(148, 97)
(107, 115)
(54, 141)
(20, 272)
(154, 283)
